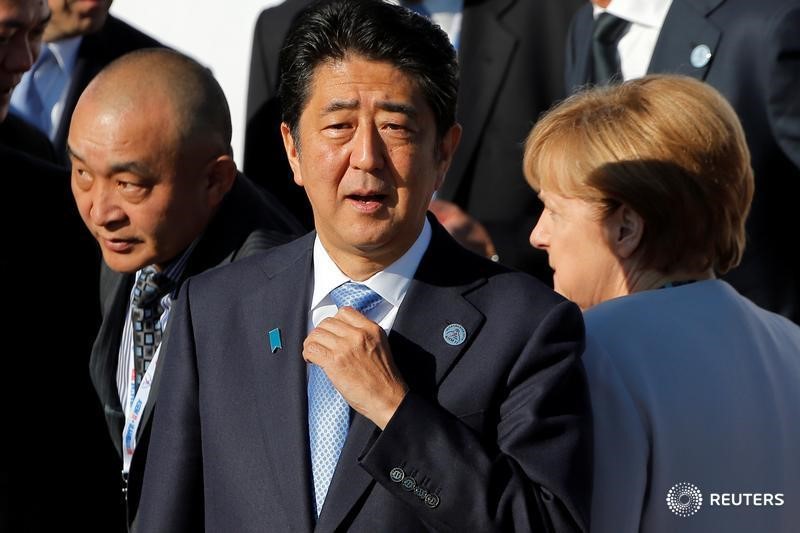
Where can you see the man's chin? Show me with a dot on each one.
(123, 263)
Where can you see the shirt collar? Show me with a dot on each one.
(643, 12)
(66, 52)
(391, 283)
(174, 270)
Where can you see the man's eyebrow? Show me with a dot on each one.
(132, 167)
(339, 105)
(71, 153)
(396, 107)
(386, 105)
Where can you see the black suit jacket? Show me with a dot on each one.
(17, 134)
(52, 430)
(756, 66)
(248, 221)
(494, 427)
(511, 70)
(114, 39)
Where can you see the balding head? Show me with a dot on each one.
(151, 160)
(187, 93)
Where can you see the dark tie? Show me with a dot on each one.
(608, 30)
(328, 412)
(146, 311)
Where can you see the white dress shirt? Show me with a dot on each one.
(637, 45)
(52, 84)
(391, 283)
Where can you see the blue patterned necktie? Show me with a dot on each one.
(328, 412)
(146, 311)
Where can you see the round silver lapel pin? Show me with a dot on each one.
(700, 56)
(454, 334)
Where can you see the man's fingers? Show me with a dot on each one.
(353, 318)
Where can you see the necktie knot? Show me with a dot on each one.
(609, 28)
(355, 295)
(151, 286)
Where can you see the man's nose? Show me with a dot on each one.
(368, 149)
(105, 209)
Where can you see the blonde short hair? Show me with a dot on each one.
(669, 147)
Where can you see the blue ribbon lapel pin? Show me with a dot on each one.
(275, 343)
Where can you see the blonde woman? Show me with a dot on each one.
(695, 390)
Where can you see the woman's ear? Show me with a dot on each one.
(626, 229)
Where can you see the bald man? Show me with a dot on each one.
(155, 183)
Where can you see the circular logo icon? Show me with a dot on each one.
(684, 499)
(700, 56)
(454, 334)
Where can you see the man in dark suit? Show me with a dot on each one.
(44, 229)
(49, 274)
(511, 70)
(750, 52)
(374, 375)
(17, 134)
(155, 183)
(84, 38)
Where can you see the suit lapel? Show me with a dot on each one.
(103, 362)
(280, 379)
(580, 49)
(485, 51)
(685, 28)
(434, 300)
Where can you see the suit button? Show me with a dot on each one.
(408, 483)
(432, 500)
(397, 475)
(420, 492)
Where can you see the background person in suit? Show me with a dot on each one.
(155, 183)
(511, 71)
(22, 24)
(750, 52)
(646, 189)
(80, 39)
(43, 229)
(291, 408)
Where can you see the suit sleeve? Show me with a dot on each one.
(784, 80)
(620, 430)
(535, 477)
(172, 497)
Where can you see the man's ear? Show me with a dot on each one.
(626, 229)
(221, 176)
(446, 150)
(292, 153)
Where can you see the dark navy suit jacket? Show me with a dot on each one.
(495, 427)
(248, 221)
